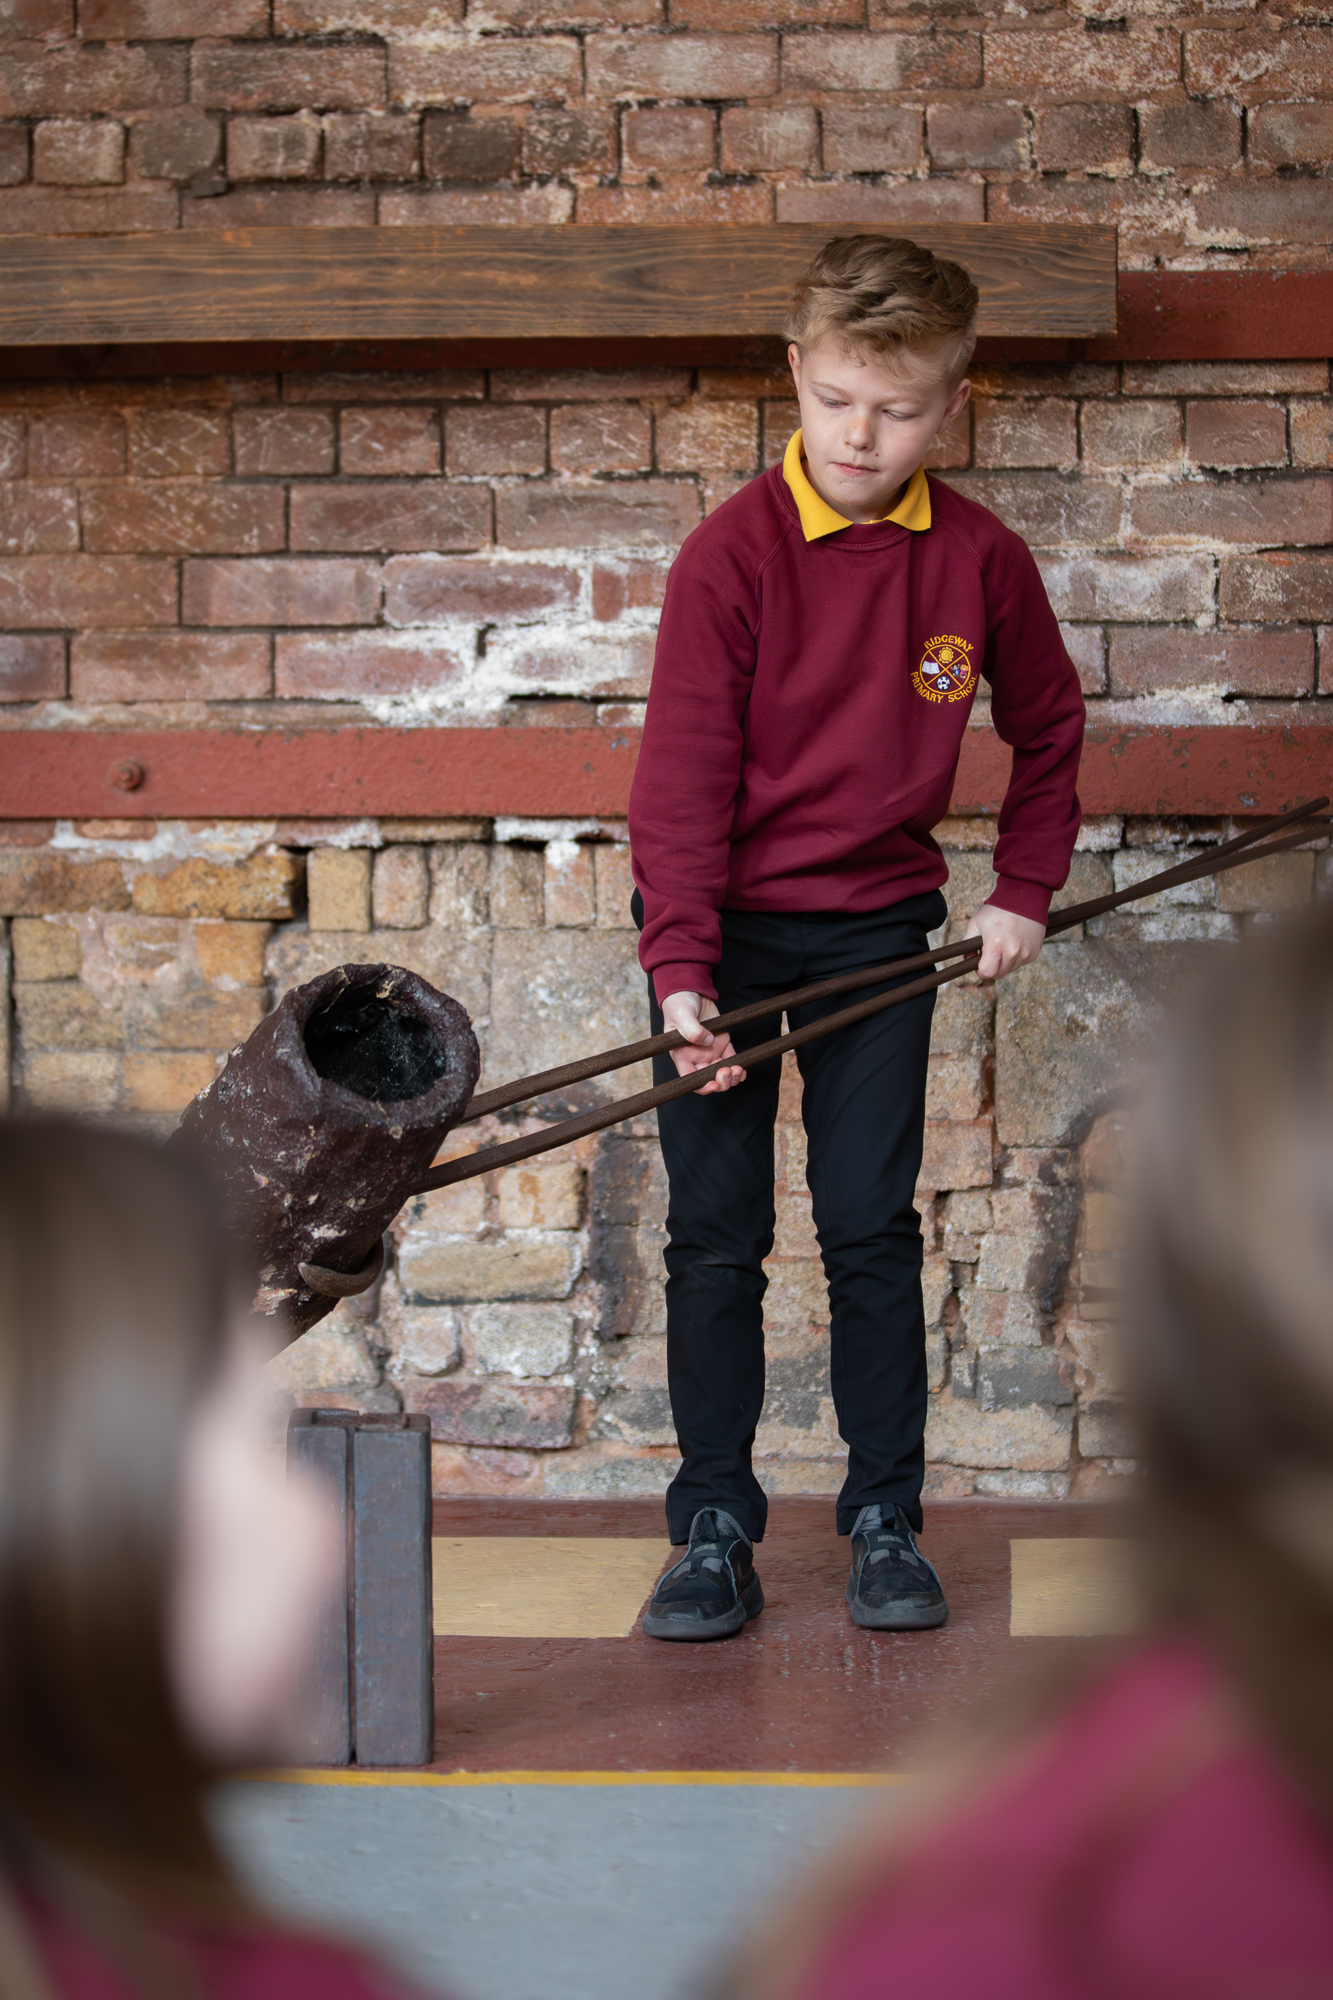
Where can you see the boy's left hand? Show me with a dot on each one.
(1009, 940)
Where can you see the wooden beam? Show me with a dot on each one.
(556, 772)
(503, 284)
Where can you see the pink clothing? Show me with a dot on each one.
(227, 1965)
(1140, 1849)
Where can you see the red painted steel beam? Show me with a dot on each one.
(574, 773)
(1220, 316)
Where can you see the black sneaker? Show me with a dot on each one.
(711, 1592)
(892, 1588)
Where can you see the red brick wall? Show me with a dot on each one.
(1197, 134)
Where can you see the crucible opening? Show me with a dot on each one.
(372, 1048)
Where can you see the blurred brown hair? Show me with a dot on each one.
(889, 295)
(115, 1306)
(1232, 1329)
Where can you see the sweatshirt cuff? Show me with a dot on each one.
(1021, 899)
(669, 979)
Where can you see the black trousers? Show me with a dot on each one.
(864, 1109)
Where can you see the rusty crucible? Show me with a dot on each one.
(324, 1121)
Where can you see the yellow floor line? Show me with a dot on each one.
(464, 1779)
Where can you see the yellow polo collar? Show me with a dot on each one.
(819, 519)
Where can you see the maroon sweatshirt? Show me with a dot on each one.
(807, 710)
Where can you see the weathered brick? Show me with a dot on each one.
(561, 142)
(529, 1267)
(1312, 432)
(296, 590)
(170, 666)
(1276, 882)
(169, 20)
(1272, 510)
(1236, 433)
(659, 513)
(729, 203)
(85, 590)
(1190, 135)
(165, 1082)
(957, 1154)
(476, 207)
(400, 888)
(682, 65)
(601, 437)
(871, 62)
(568, 894)
(36, 883)
(15, 151)
(175, 145)
(1088, 137)
(1274, 663)
(202, 1020)
(358, 665)
(1131, 433)
(673, 139)
(615, 886)
(78, 154)
(629, 586)
(182, 517)
(371, 146)
(541, 1196)
(420, 589)
(451, 71)
(490, 441)
(66, 1081)
(273, 149)
(1046, 509)
(389, 440)
(76, 443)
(231, 954)
(62, 1014)
(38, 520)
(262, 887)
(390, 18)
(1291, 135)
(1275, 588)
(977, 135)
(586, 385)
(39, 81)
(1225, 378)
(1128, 588)
(13, 445)
(401, 515)
(537, 1417)
(1265, 211)
(707, 436)
(522, 1339)
(173, 444)
(281, 208)
(455, 146)
(1040, 432)
(389, 385)
(32, 667)
(45, 950)
(1025, 62)
(274, 78)
(1256, 65)
(769, 139)
(871, 139)
(47, 211)
(426, 1342)
(28, 20)
(281, 440)
(1028, 1440)
(338, 888)
(732, 15)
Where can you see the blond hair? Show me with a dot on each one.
(890, 295)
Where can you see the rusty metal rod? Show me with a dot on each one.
(561, 1078)
(472, 1164)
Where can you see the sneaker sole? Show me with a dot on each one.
(749, 1605)
(905, 1617)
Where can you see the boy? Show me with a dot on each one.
(821, 645)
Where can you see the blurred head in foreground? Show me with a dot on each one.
(1168, 1830)
(157, 1569)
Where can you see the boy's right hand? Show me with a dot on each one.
(687, 1013)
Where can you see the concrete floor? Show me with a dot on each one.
(537, 1892)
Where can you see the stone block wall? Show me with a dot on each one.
(523, 1310)
(1202, 133)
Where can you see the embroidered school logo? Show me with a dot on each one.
(946, 672)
